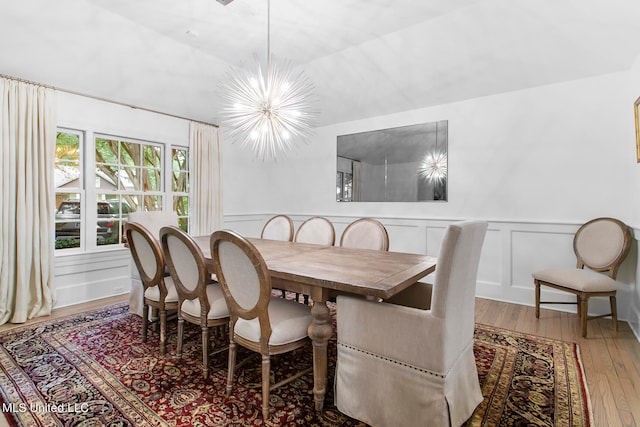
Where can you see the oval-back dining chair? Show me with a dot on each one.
(200, 301)
(600, 246)
(159, 292)
(316, 230)
(279, 227)
(259, 323)
(365, 233)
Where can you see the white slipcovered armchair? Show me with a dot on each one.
(413, 365)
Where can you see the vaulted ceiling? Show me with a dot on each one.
(365, 57)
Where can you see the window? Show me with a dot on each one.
(129, 175)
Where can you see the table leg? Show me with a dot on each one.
(320, 332)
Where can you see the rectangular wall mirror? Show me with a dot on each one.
(403, 164)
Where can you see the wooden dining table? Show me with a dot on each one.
(323, 272)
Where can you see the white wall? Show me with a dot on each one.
(535, 163)
(553, 153)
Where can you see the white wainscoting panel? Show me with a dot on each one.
(511, 252)
(90, 276)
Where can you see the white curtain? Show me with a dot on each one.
(27, 141)
(206, 187)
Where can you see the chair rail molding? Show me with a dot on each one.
(512, 250)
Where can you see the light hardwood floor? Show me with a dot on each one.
(611, 362)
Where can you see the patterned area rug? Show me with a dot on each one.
(93, 370)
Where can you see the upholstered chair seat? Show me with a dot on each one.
(218, 307)
(289, 323)
(600, 246)
(582, 280)
(153, 294)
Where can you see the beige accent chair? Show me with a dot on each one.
(279, 227)
(200, 300)
(407, 366)
(316, 230)
(600, 245)
(365, 233)
(259, 323)
(153, 221)
(159, 292)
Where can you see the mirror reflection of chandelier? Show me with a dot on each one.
(269, 110)
(433, 167)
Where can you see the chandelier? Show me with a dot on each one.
(269, 110)
(433, 167)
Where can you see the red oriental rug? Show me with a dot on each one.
(93, 370)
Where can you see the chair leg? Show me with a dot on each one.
(232, 366)
(284, 293)
(266, 370)
(614, 313)
(579, 306)
(145, 321)
(205, 351)
(537, 299)
(163, 332)
(584, 312)
(180, 332)
(154, 316)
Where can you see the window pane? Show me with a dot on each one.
(151, 180)
(152, 156)
(68, 220)
(152, 203)
(106, 151)
(183, 223)
(180, 182)
(129, 179)
(179, 159)
(107, 226)
(181, 205)
(130, 154)
(67, 166)
(131, 203)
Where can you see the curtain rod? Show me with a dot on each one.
(97, 98)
